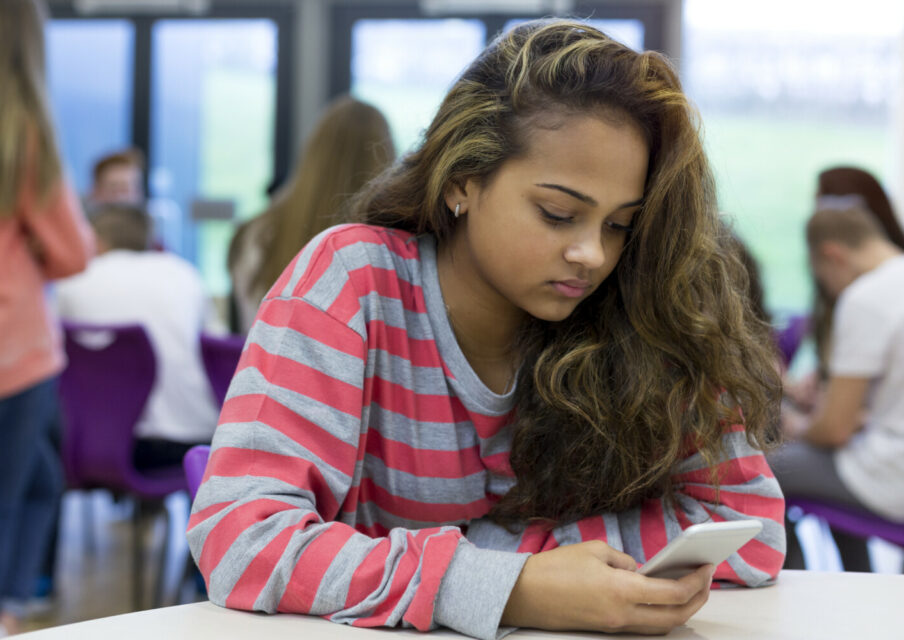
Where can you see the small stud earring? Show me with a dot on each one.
(457, 209)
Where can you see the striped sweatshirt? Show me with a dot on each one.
(358, 453)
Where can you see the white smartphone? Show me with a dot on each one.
(699, 544)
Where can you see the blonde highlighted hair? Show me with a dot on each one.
(27, 139)
(668, 351)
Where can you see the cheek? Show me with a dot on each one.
(516, 241)
(614, 252)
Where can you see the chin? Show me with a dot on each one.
(552, 313)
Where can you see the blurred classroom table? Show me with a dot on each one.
(802, 605)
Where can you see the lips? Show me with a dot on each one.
(571, 288)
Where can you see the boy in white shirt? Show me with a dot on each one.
(126, 283)
(851, 448)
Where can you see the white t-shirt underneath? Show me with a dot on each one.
(868, 342)
(165, 294)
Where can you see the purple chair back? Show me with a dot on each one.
(103, 391)
(220, 355)
(852, 520)
(194, 463)
(789, 339)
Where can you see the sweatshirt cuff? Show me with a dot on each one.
(475, 589)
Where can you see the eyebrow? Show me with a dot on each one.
(583, 197)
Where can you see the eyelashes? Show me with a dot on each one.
(627, 228)
(552, 218)
(555, 221)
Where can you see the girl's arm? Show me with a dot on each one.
(287, 454)
(575, 580)
(62, 239)
(747, 489)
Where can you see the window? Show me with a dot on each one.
(629, 32)
(207, 97)
(403, 60)
(212, 122)
(405, 67)
(785, 91)
(92, 110)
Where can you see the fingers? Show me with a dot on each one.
(658, 616)
(703, 576)
(685, 597)
(663, 591)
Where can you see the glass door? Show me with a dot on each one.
(212, 123)
(92, 109)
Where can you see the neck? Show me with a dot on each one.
(874, 254)
(485, 324)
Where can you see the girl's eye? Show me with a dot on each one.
(552, 218)
(619, 227)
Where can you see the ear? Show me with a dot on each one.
(457, 194)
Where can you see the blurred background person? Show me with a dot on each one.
(350, 145)
(127, 283)
(835, 186)
(850, 448)
(43, 235)
(843, 181)
(118, 177)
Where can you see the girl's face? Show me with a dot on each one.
(549, 226)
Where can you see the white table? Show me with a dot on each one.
(802, 606)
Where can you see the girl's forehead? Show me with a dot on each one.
(587, 160)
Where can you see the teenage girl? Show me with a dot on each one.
(530, 369)
(43, 236)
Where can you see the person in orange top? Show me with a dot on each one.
(43, 236)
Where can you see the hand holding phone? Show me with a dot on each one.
(699, 544)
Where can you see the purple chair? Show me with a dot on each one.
(194, 463)
(856, 522)
(789, 339)
(220, 355)
(103, 391)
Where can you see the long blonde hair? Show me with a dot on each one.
(350, 145)
(27, 139)
(667, 351)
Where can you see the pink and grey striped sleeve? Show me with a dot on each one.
(268, 529)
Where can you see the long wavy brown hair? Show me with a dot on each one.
(27, 137)
(667, 352)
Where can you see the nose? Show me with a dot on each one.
(587, 251)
